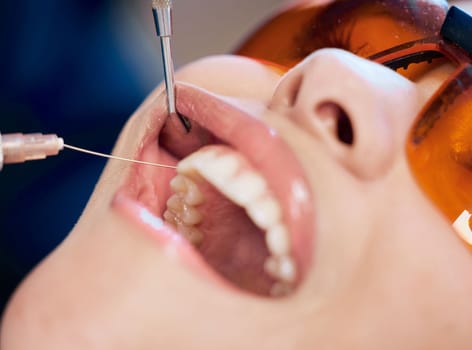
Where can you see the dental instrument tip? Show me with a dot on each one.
(185, 122)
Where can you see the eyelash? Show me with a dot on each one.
(337, 38)
(340, 39)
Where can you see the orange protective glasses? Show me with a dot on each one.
(411, 37)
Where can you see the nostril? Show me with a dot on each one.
(338, 120)
(344, 128)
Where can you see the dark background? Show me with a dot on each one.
(79, 68)
(64, 69)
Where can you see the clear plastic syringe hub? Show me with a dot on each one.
(19, 148)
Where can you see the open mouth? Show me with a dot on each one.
(238, 196)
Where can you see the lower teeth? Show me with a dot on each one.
(232, 177)
(181, 211)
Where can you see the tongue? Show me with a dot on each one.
(232, 244)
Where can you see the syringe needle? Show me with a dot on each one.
(162, 11)
(20, 148)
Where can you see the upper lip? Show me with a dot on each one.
(260, 144)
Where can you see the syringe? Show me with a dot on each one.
(19, 148)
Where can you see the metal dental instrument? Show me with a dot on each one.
(19, 148)
(162, 11)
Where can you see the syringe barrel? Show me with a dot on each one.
(19, 148)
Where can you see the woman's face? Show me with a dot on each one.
(332, 245)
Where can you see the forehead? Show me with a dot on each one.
(440, 3)
(428, 11)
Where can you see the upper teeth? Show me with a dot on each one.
(230, 174)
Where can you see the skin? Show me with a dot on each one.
(388, 275)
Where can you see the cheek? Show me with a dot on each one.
(430, 82)
(231, 76)
(86, 292)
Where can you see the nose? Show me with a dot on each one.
(359, 110)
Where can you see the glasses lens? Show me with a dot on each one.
(290, 36)
(440, 147)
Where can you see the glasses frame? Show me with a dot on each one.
(453, 43)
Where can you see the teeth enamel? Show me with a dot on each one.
(277, 240)
(181, 212)
(193, 196)
(287, 269)
(195, 162)
(245, 188)
(169, 217)
(178, 184)
(187, 213)
(175, 203)
(221, 169)
(191, 216)
(282, 268)
(265, 212)
(192, 234)
(188, 189)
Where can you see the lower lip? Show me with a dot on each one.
(173, 245)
